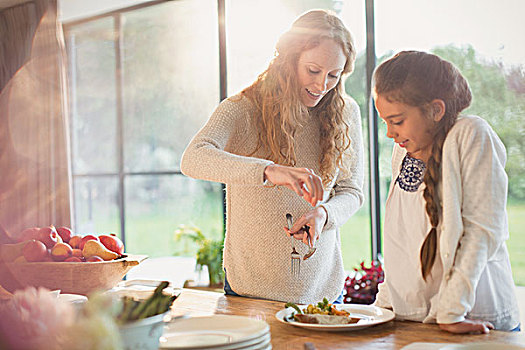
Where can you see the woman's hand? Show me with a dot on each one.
(468, 326)
(315, 219)
(302, 181)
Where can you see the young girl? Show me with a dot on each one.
(289, 143)
(445, 226)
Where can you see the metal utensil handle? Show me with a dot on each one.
(289, 219)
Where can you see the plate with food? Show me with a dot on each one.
(328, 317)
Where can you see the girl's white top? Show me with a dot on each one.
(471, 277)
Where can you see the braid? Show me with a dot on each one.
(432, 178)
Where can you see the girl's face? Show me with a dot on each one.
(319, 70)
(407, 126)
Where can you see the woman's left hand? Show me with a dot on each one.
(468, 326)
(315, 219)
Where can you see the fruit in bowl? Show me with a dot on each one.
(48, 261)
(61, 251)
(85, 239)
(65, 233)
(49, 236)
(34, 251)
(95, 248)
(113, 243)
(74, 276)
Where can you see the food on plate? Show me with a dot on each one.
(322, 313)
(325, 319)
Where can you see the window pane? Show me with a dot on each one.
(91, 57)
(170, 80)
(96, 205)
(157, 205)
(356, 234)
(485, 41)
(251, 45)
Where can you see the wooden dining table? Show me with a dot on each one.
(390, 335)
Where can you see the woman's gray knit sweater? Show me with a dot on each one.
(257, 249)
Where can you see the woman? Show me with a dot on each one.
(289, 143)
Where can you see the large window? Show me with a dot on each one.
(146, 78)
(142, 82)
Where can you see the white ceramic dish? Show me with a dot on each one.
(143, 334)
(469, 346)
(369, 316)
(73, 298)
(141, 289)
(218, 332)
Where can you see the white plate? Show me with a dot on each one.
(370, 316)
(141, 289)
(214, 332)
(73, 298)
(470, 346)
(253, 344)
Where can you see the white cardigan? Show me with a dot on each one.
(477, 279)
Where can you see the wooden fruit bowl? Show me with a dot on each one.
(74, 277)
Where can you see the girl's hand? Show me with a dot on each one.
(302, 181)
(468, 326)
(315, 219)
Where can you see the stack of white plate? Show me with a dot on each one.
(217, 332)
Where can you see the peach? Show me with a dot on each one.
(61, 251)
(74, 241)
(113, 243)
(65, 233)
(73, 259)
(28, 234)
(35, 251)
(77, 252)
(94, 258)
(49, 236)
(85, 239)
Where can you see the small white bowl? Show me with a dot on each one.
(143, 334)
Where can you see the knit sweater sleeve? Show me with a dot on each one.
(207, 158)
(347, 195)
(475, 179)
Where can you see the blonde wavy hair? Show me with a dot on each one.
(276, 95)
